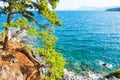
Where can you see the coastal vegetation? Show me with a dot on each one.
(115, 73)
(53, 60)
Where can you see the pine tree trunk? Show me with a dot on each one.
(5, 45)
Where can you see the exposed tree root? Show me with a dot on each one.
(35, 61)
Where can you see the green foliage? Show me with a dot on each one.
(33, 32)
(53, 58)
(48, 39)
(49, 14)
(19, 23)
(53, 3)
(1, 38)
(23, 23)
(114, 73)
(28, 48)
(21, 6)
(1, 42)
(55, 61)
(2, 35)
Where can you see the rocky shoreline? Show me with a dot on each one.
(69, 75)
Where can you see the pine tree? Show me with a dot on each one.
(21, 7)
(27, 22)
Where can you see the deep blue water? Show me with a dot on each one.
(87, 39)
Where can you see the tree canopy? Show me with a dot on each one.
(45, 8)
(13, 7)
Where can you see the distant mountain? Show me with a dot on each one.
(113, 9)
(90, 8)
(110, 8)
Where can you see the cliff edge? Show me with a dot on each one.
(16, 65)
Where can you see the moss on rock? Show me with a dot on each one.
(115, 73)
(27, 48)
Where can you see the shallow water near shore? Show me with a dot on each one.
(87, 40)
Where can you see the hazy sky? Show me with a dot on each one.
(75, 4)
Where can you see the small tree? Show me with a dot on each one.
(21, 7)
(29, 23)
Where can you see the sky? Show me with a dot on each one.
(76, 4)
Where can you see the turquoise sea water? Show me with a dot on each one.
(88, 39)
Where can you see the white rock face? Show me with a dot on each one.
(21, 35)
(113, 78)
(86, 76)
(6, 73)
(9, 35)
